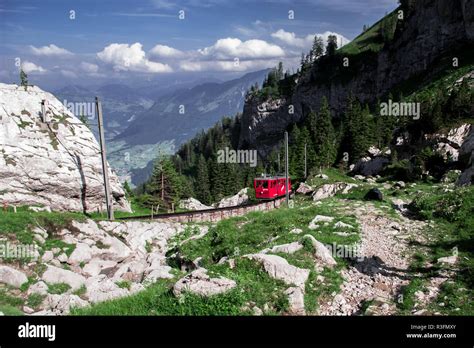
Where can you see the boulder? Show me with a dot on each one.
(82, 253)
(449, 145)
(58, 167)
(101, 288)
(321, 252)
(289, 248)
(374, 195)
(56, 275)
(295, 301)
(47, 256)
(96, 266)
(466, 157)
(240, 198)
(39, 288)
(304, 189)
(278, 268)
(192, 204)
(62, 304)
(12, 277)
(329, 190)
(369, 166)
(162, 272)
(400, 185)
(319, 218)
(199, 283)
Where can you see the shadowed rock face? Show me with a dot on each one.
(434, 29)
(56, 164)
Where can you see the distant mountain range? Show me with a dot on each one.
(179, 115)
(142, 122)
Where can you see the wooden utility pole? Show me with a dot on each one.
(286, 171)
(305, 163)
(105, 169)
(44, 116)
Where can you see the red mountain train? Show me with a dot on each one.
(269, 187)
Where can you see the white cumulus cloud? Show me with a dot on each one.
(165, 52)
(29, 67)
(51, 50)
(230, 48)
(125, 57)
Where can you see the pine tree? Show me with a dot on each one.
(325, 137)
(165, 185)
(279, 71)
(332, 45)
(358, 130)
(202, 184)
(23, 79)
(318, 47)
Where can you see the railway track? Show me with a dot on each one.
(211, 215)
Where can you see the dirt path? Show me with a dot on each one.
(382, 269)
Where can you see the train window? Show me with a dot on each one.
(265, 184)
(259, 184)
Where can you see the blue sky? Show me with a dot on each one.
(118, 39)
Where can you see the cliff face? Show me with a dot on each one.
(56, 165)
(434, 30)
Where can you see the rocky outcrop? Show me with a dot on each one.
(432, 30)
(278, 268)
(199, 283)
(329, 190)
(56, 275)
(12, 277)
(448, 145)
(55, 164)
(373, 163)
(239, 198)
(321, 253)
(192, 204)
(304, 189)
(466, 157)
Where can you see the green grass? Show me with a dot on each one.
(81, 291)
(34, 300)
(334, 175)
(124, 284)
(453, 213)
(370, 40)
(21, 224)
(158, 299)
(137, 210)
(59, 288)
(58, 243)
(406, 300)
(10, 310)
(256, 231)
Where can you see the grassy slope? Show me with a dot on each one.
(233, 238)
